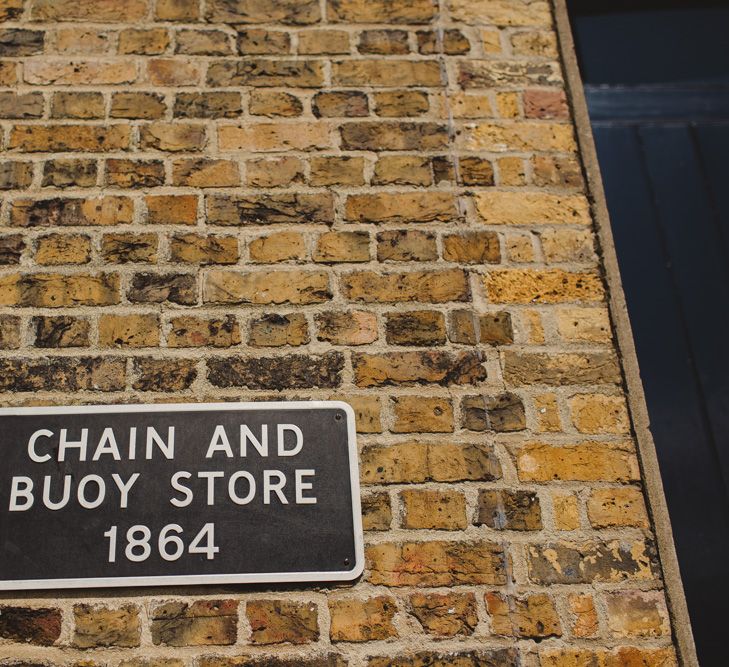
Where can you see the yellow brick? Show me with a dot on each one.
(274, 137)
(531, 208)
(598, 413)
(542, 286)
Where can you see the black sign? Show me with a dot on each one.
(178, 494)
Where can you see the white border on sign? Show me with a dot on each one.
(196, 579)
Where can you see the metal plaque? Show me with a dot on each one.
(131, 495)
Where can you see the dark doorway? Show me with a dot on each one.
(656, 79)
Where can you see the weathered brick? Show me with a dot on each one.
(203, 43)
(54, 290)
(518, 136)
(566, 511)
(143, 42)
(401, 103)
(584, 462)
(341, 327)
(204, 249)
(617, 506)
(171, 209)
(275, 103)
(433, 510)
(436, 563)
(503, 509)
(44, 72)
(476, 171)
(470, 328)
(266, 287)
(15, 42)
(337, 170)
(21, 105)
(270, 209)
(122, 248)
(100, 211)
(381, 11)
(403, 170)
(637, 614)
(180, 288)
(97, 626)
(275, 330)
(59, 331)
(362, 620)
(393, 136)
(582, 608)
(340, 104)
(415, 327)
(367, 411)
(445, 615)
(419, 462)
(529, 617)
(15, 175)
(384, 42)
(418, 414)
(590, 562)
(261, 137)
(64, 173)
(129, 330)
(406, 245)
(10, 335)
(599, 413)
(334, 247)
(567, 245)
(56, 249)
(294, 371)
(279, 621)
(266, 73)
(620, 657)
(208, 105)
(204, 622)
(64, 374)
(472, 248)
(502, 73)
(263, 42)
(434, 286)
(560, 171)
(279, 247)
(531, 208)
(11, 249)
(177, 10)
(502, 413)
(545, 104)
(376, 511)
(542, 286)
(173, 72)
(11, 9)
(135, 173)
(402, 207)
(407, 368)
(40, 626)
(503, 657)
(145, 106)
(452, 42)
(75, 104)
(167, 375)
(191, 331)
(584, 324)
(275, 172)
(319, 42)
(321, 660)
(560, 369)
(89, 10)
(205, 173)
(65, 138)
(288, 12)
(172, 137)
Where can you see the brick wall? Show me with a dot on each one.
(373, 200)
